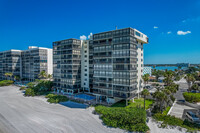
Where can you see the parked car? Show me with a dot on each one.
(192, 117)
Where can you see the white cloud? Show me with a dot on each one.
(197, 19)
(83, 37)
(90, 35)
(155, 27)
(183, 33)
(169, 32)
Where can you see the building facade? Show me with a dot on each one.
(10, 62)
(111, 65)
(67, 65)
(27, 64)
(36, 60)
(147, 70)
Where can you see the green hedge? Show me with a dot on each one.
(29, 92)
(131, 119)
(41, 87)
(6, 82)
(22, 88)
(52, 98)
(192, 97)
(173, 121)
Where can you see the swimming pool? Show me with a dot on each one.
(84, 97)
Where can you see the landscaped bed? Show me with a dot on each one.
(130, 118)
(53, 98)
(6, 82)
(173, 121)
(192, 97)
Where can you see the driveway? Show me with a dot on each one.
(19, 114)
(178, 109)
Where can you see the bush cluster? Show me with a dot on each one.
(52, 98)
(22, 88)
(6, 82)
(192, 97)
(173, 121)
(131, 119)
(41, 87)
(29, 92)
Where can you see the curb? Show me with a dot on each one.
(171, 108)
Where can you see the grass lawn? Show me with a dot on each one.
(136, 103)
(140, 103)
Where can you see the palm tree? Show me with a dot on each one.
(49, 76)
(168, 77)
(195, 87)
(17, 77)
(157, 73)
(9, 74)
(160, 97)
(145, 93)
(190, 80)
(145, 78)
(6, 74)
(42, 75)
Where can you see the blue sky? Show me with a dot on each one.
(173, 26)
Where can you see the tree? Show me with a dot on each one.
(17, 77)
(195, 87)
(145, 93)
(145, 78)
(157, 73)
(9, 74)
(49, 76)
(43, 75)
(161, 98)
(6, 75)
(168, 77)
(190, 80)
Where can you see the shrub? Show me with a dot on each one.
(172, 98)
(52, 98)
(6, 82)
(22, 88)
(173, 121)
(41, 87)
(49, 95)
(131, 119)
(29, 92)
(192, 97)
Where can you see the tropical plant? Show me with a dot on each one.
(157, 73)
(168, 77)
(161, 100)
(131, 119)
(195, 87)
(43, 75)
(145, 77)
(6, 75)
(145, 93)
(29, 92)
(49, 76)
(6, 82)
(17, 77)
(190, 80)
(192, 97)
(9, 74)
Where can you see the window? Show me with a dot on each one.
(137, 33)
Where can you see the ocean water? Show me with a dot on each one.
(165, 67)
